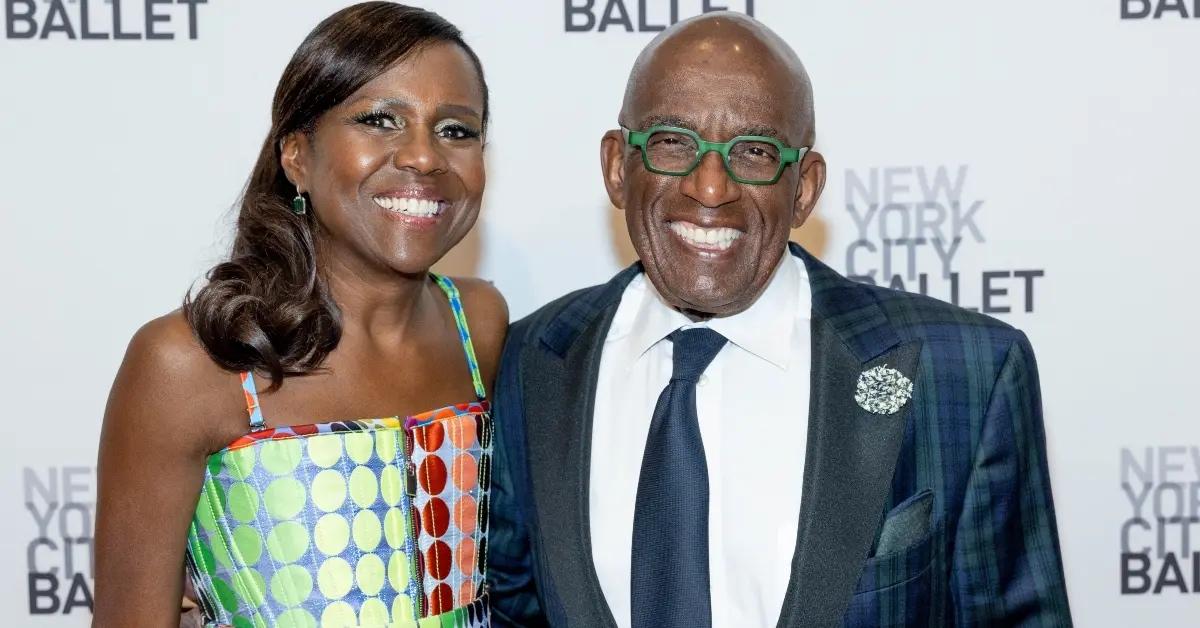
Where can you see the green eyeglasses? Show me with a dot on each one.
(675, 151)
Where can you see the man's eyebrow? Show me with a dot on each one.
(665, 120)
(763, 130)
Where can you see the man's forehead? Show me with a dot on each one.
(727, 73)
(717, 100)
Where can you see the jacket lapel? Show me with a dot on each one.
(851, 453)
(850, 457)
(559, 385)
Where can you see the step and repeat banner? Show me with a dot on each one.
(1036, 161)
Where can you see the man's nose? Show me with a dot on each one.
(709, 184)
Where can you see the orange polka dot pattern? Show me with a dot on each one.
(452, 462)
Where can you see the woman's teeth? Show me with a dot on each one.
(422, 208)
(720, 238)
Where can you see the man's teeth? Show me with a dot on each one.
(720, 238)
(409, 206)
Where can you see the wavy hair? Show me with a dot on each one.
(268, 308)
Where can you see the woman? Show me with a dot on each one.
(326, 311)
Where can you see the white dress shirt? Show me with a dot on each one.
(752, 404)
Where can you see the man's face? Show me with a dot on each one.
(710, 244)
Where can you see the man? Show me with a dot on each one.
(729, 433)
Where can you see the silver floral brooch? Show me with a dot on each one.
(882, 390)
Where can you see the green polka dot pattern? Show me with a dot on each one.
(313, 526)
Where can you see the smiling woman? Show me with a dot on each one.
(284, 510)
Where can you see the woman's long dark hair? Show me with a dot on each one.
(268, 308)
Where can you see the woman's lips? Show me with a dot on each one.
(411, 206)
(411, 211)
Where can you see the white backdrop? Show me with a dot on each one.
(1055, 140)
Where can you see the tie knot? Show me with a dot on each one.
(694, 350)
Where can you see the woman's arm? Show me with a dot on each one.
(165, 413)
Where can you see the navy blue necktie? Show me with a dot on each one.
(670, 522)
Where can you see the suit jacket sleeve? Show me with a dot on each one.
(511, 586)
(1007, 568)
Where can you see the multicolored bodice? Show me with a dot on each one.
(366, 523)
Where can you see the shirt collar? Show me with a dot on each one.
(765, 329)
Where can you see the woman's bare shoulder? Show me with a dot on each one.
(487, 315)
(168, 378)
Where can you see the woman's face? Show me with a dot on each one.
(395, 172)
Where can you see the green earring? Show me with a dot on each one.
(299, 204)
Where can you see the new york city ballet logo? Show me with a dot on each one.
(1160, 541)
(641, 16)
(912, 223)
(62, 504)
(102, 19)
(1160, 9)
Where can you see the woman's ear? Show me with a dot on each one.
(293, 157)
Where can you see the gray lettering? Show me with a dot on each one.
(43, 521)
(570, 10)
(85, 26)
(1137, 500)
(858, 190)
(1143, 469)
(48, 490)
(84, 518)
(1166, 466)
(31, 554)
(645, 26)
(25, 16)
(1170, 5)
(941, 186)
(1164, 488)
(1029, 276)
(1128, 13)
(49, 592)
(153, 18)
(905, 222)
(931, 227)
(967, 221)
(73, 492)
(193, 27)
(862, 221)
(117, 32)
(851, 267)
(892, 187)
(989, 292)
(912, 244)
(60, 25)
(1128, 525)
(619, 16)
(946, 255)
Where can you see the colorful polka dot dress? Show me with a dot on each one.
(364, 523)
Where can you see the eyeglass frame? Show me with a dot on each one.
(787, 154)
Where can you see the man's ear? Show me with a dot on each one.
(612, 166)
(812, 183)
(294, 150)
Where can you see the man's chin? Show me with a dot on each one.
(698, 302)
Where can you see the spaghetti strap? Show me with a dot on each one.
(464, 332)
(252, 408)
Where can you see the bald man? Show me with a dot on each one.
(729, 433)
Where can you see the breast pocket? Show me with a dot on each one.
(896, 585)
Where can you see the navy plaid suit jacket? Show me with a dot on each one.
(938, 515)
